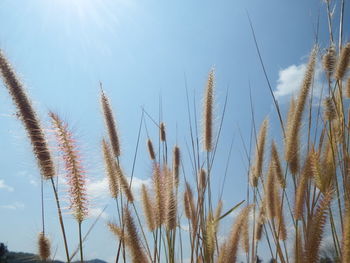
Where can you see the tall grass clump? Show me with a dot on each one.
(297, 193)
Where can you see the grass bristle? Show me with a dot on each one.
(111, 170)
(124, 184)
(148, 204)
(44, 247)
(162, 132)
(343, 62)
(28, 117)
(329, 109)
(74, 169)
(152, 155)
(110, 124)
(295, 121)
(176, 164)
(260, 151)
(315, 233)
(329, 61)
(208, 113)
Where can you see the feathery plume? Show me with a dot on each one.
(315, 233)
(329, 60)
(222, 258)
(152, 155)
(158, 186)
(176, 161)
(276, 164)
(147, 208)
(162, 132)
(28, 117)
(110, 124)
(343, 62)
(329, 109)
(137, 253)
(259, 154)
(261, 220)
(188, 201)
(346, 236)
(202, 180)
(245, 235)
(117, 231)
(44, 247)
(347, 91)
(75, 172)
(217, 214)
(111, 170)
(235, 236)
(270, 192)
(208, 112)
(281, 225)
(171, 208)
(298, 248)
(209, 237)
(131, 238)
(301, 189)
(124, 184)
(292, 143)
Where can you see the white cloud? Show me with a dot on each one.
(290, 80)
(97, 211)
(13, 206)
(5, 186)
(98, 189)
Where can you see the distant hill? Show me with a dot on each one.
(21, 257)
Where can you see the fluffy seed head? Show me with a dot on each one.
(44, 247)
(162, 132)
(124, 184)
(202, 180)
(152, 155)
(276, 165)
(171, 210)
(301, 189)
(343, 62)
(315, 233)
(188, 201)
(261, 220)
(260, 150)
(28, 117)
(110, 168)
(346, 236)
(292, 140)
(281, 225)
(329, 61)
(176, 163)
(270, 193)
(347, 91)
(110, 124)
(329, 109)
(159, 189)
(74, 170)
(235, 234)
(208, 113)
(133, 241)
(148, 208)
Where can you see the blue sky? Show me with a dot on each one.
(141, 51)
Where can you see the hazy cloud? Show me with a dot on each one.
(13, 206)
(95, 212)
(5, 186)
